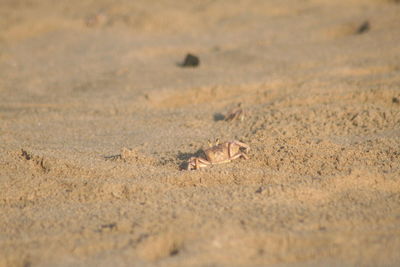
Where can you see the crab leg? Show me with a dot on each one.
(239, 155)
(245, 146)
(200, 162)
(197, 163)
(229, 150)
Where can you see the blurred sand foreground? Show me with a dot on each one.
(97, 117)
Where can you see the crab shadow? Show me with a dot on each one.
(184, 157)
(219, 117)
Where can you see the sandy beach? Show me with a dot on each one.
(99, 117)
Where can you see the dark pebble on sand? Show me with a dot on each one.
(363, 28)
(191, 61)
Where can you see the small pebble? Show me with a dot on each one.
(363, 28)
(191, 61)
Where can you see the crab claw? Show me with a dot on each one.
(191, 164)
(197, 163)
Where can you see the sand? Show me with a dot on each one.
(97, 118)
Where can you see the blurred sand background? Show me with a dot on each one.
(97, 117)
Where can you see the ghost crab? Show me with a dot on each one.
(236, 114)
(219, 153)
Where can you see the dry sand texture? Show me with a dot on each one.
(96, 116)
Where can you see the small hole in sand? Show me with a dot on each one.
(174, 252)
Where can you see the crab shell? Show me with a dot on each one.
(221, 152)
